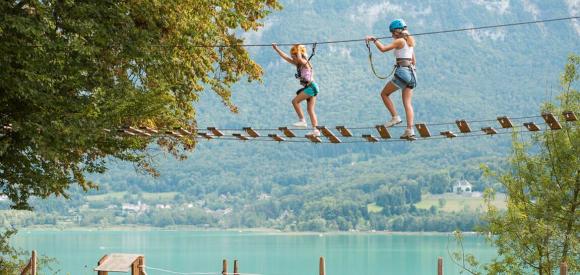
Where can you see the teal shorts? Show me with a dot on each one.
(310, 89)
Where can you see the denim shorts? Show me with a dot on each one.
(310, 89)
(404, 77)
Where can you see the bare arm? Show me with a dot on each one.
(397, 44)
(413, 59)
(283, 55)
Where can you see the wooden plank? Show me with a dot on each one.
(137, 131)
(276, 137)
(383, 132)
(463, 126)
(531, 126)
(251, 132)
(174, 134)
(489, 130)
(344, 131)
(240, 136)
(118, 263)
(334, 139)
(102, 260)
(287, 132)
(321, 267)
(448, 134)
(215, 131)
(552, 122)
(183, 131)
(204, 135)
(370, 138)
(569, 115)
(313, 138)
(148, 130)
(325, 131)
(505, 122)
(423, 130)
(125, 132)
(439, 266)
(224, 267)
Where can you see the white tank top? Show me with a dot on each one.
(405, 52)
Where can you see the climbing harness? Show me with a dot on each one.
(373, 66)
(298, 74)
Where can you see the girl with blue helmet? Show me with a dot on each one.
(299, 58)
(404, 77)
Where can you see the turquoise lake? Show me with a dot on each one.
(258, 253)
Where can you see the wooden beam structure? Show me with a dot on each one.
(531, 126)
(276, 137)
(505, 122)
(251, 132)
(205, 135)
(313, 138)
(463, 126)
(370, 138)
(423, 130)
(383, 131)
(448, 134)
(552, 122)
(121, 263)
(287, 132)
(569, 116)
(215, 131)
(149, 130)
(240, 136)
(174, 134)
(489, 130)
(344, 131)
(183, 131)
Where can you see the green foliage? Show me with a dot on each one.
(12, 260)
(539, 229)
(73, 68)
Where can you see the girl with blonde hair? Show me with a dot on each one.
(404, 78)
(299, 58)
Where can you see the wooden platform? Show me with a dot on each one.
(117, 262)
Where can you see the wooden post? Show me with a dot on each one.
(236, 272)
(321, 267)
(33, 263)
(563, 268)
(104, 258)
(141, 261)
(224, 267)
(440, 266)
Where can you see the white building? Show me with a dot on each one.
(462, 186)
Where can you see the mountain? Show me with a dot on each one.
(472, 75)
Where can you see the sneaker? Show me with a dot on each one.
(301, 124)
(394, 121)
(408, 134)
(314, 132)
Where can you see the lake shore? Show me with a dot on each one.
(233, 230)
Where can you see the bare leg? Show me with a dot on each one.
(407, 94)
(387, 91)
(311, 103)
(296, 103)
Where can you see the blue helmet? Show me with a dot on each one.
(397, 24)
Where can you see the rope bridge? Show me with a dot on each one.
(342, 134)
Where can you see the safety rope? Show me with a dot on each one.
(359, 40)
(373, 66)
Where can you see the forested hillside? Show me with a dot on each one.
(299, 186)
